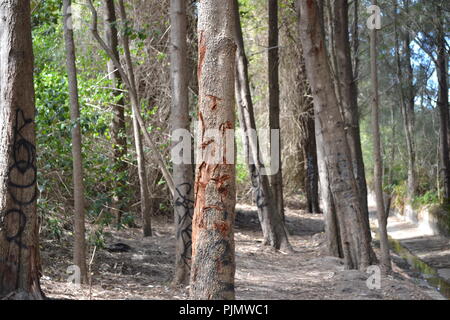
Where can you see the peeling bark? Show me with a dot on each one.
(213, 259)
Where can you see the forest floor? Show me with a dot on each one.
(144, 269)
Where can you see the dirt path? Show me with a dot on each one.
(144, 269)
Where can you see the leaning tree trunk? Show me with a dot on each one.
(118, 127)
(79, 249)
(183, 176)
(335, 149)
(349, 101)
(276, 178)
(146, 206)
(19, 239)
(213, 258)
(382, 215)
(272, 224)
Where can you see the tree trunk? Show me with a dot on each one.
(79, 250)
(276, 178)
(19, 238)
(272, 224)
(336, 152)
(378, 173)
(183, 176)
(118, 127)
(332, 232)
(311, 167)
(213, 258)
(442, 70)
(349, 101)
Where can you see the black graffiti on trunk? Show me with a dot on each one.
(260, 197)
(23, 168)
(184, 228)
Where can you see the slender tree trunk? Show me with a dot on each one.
(79, 250)
(355, 41)
(311, 167)
(378, 174)
(183, 175)
(349, 101)
(19, 239)
(272, 224)
(407, 106)
(276, 179)
(146, 206)
(213, 257)
(442, 69)
(331, 129)
(118, 127)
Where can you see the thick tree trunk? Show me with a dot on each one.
(332, 232)
(378, 173)
(118, 126)
(276, 179)
(19, 239)
(183, 175)
(79, 250)
(272, 224)
(331, 129)
(213, 257)
(349, 101)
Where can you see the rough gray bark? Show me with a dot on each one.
(382, 215)
(332, 232)
(349, 101)
(19, 239)
(276, 179)
(271, 221)
(79, 248)
(213, 257)
(183, 176)
(334, 147)
(118, 126)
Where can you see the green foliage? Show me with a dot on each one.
(429, 197)
(54, 126)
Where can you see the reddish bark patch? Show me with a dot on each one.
(207, 143)
(201, 54)
(223, 228)
(310, 3)
(202, 121)
(214, 101)
(226, 125)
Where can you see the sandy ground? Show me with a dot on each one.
(145, 270)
